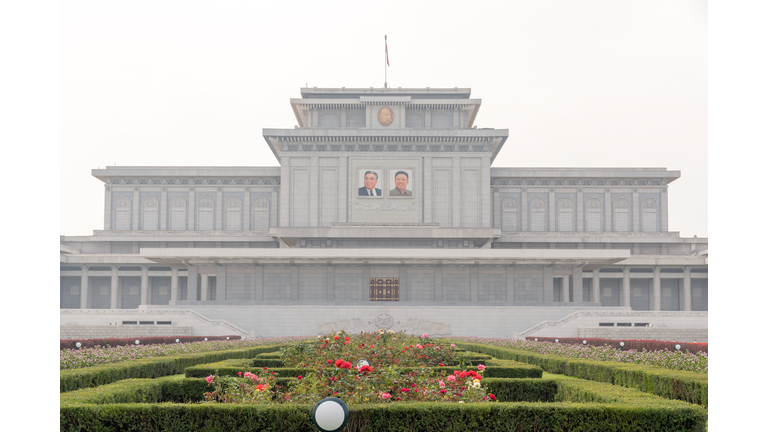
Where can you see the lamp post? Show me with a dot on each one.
(78, 344)
(330, 415)
(137, 342)
(621, 346)
(584, 342)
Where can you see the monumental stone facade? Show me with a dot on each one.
(385, 212)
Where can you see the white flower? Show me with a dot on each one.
(461, 401)
(476, 385)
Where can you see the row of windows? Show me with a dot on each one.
(565, 220)
(411, 121)
(205, 218)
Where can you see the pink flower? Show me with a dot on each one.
(480, 367)
(299, 377)
(442, 384)
(209, 378)
(451, 378)
(240, 374)
(443, 391)
(386, 396)
(453, 346)
(425, 335)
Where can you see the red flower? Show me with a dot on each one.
(330, 361)
(338, 362)
(442, 364)
(443, 391)
(365, 369)
(397, 398)
(346, 338)
(413, 385)
(346, 365)
(404, 390)
(240, 373)
(336, 337)
(459, 394)
(490, 395)
(299, 377)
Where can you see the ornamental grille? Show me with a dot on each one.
(385, 289)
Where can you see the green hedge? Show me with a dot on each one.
(524, 416)
(73, 379)
(671, 384)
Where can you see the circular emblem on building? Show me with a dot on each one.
(385, 116)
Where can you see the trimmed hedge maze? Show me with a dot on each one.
(605, 398)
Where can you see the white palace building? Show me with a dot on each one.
(385, 212)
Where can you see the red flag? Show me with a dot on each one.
(386, 51)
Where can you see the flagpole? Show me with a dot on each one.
(385, 61)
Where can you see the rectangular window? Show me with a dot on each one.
(384, 289)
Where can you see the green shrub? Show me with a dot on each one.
(671, 384)
(73, 379)
(524, 416)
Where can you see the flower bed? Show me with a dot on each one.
(154, 340)
(396, 368)
(684, 361)
(629, 344)
(98, 355)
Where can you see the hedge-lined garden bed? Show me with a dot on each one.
(516, 399)
(73, 379)
(629, 344)
(671, 384)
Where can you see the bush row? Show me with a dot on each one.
(671, 384)
(73, 379)
(557, 416)
(634, 344)
(176, 389)
(154, 340)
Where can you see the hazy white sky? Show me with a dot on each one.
(189, 83)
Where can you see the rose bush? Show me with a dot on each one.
(333, 360)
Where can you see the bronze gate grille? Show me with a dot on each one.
(385, 289)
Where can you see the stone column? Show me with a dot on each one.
(113, 289)
(247, 214)
(341, 215)
(485, 192)
(625, 294)
(607, 213)
(145, 299)
(314, 181)
(83, 287)
(294, 283)
(456, 193)
(578, 285)
(107, 208)
(135, 209)
(174, 284)
(548, 295)
(218, 210)
(285, 191)
(657, 288)
(426, 190)
(552, 211)
(565, 296)
(524, 210)
(164, 209)
(473, 284)
(664, 209)
(510, 284)
(438, 283)
(221, 283)
(579, 214)
(204, 287)
(686, 288)
(192, 283)
(635, 211)
(191, 210)
(595, 286)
